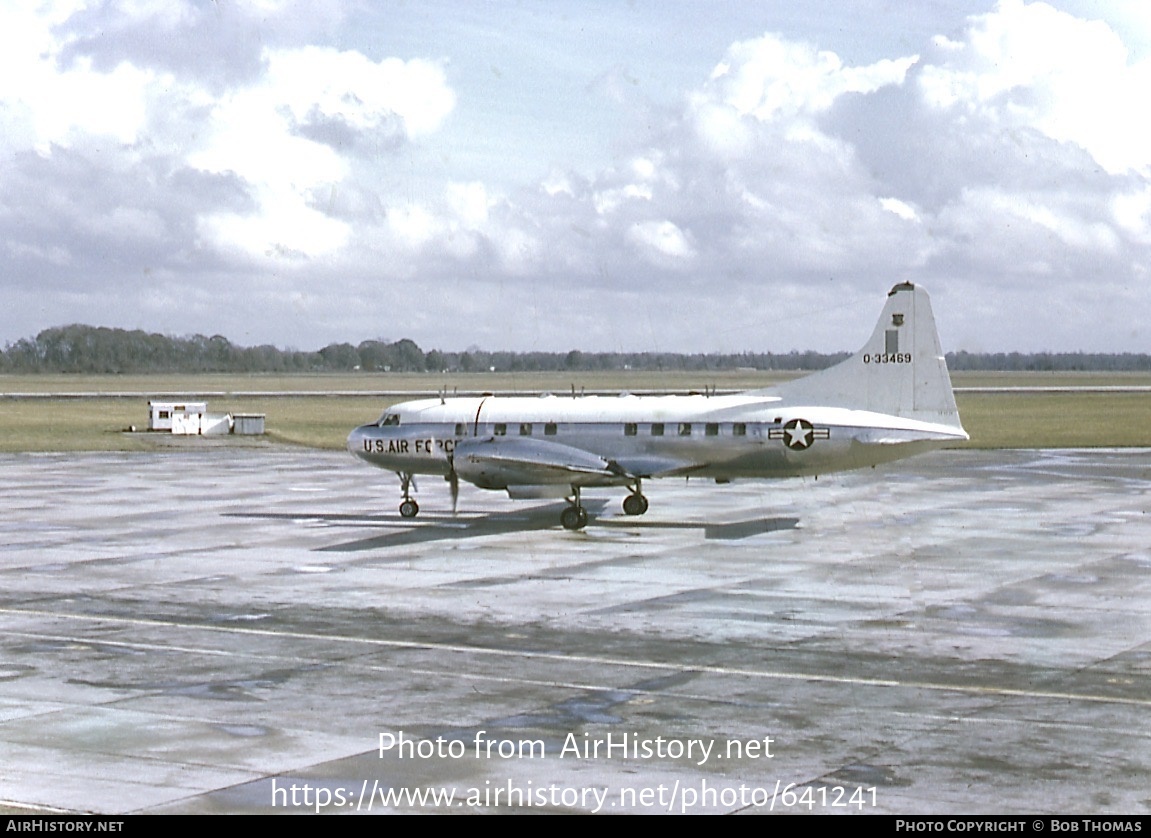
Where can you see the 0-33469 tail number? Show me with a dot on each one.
(884, 358)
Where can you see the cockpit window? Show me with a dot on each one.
(389, 419)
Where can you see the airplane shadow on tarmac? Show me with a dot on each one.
(447, 527)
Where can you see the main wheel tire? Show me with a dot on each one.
(409, 509)
(635, 505)
(573, 518)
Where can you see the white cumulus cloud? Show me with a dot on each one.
(662, 240)
(259, 132)
(1031, 65)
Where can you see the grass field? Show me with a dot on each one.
(994, 420)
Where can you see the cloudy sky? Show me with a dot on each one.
(593, 174)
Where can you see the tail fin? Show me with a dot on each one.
(899, 371)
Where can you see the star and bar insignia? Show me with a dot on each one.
(798, 434)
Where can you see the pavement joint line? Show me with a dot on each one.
(590, 659)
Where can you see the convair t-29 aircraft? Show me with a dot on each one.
(890, 400)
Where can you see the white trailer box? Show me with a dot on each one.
(186, 424)
(215, 423)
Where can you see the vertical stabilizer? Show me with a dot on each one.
(899, 371)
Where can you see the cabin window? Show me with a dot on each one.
(501, 429)
(657, 429)
(739, 429)
(525, 428)
(165, 414)
(711, 429)
(685, 428)
(460, 429)
(550, 429)
(630, 429)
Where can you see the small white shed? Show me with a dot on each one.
(168, 416)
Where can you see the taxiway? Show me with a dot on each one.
(241, 630)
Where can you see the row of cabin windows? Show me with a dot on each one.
(629, 429)
(686, 429)
(501, 429)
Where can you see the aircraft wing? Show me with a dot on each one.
(648, 465)
(498, 462)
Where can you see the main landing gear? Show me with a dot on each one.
(574, 517)
(635, 503)
(408, 506)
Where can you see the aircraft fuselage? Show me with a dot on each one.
(889, 400)
(722, 437)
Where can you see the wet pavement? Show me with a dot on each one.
(240, 631)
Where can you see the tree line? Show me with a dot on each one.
(96, 349)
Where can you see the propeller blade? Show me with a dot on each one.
(453, 482)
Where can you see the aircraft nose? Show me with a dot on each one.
(356, 439)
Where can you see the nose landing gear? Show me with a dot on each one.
(408, 506)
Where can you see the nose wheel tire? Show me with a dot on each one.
(409, 509)
(635, 505)
(574, 518)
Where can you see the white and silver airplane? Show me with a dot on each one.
(890, 400)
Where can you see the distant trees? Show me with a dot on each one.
(96, 349)
(1049, 361)
(92, 349)
(340, 356)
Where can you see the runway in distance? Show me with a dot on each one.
(890, 400)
